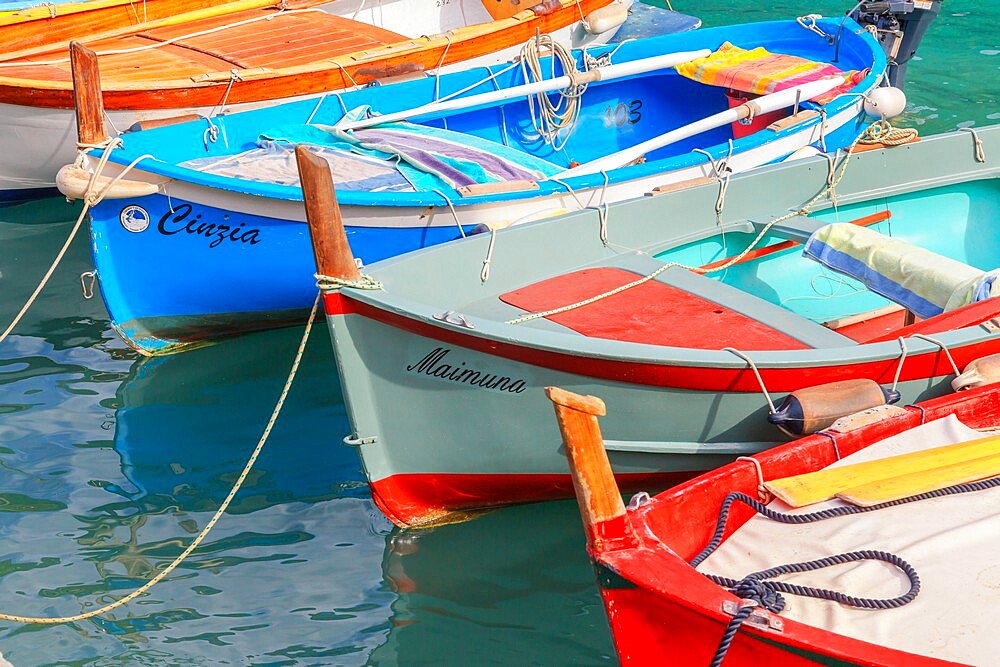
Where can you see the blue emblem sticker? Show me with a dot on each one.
(134, 218)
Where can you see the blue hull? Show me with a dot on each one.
(201, 272)
(252, 272)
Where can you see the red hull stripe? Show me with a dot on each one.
(415, 499)
(647, 313)
(917, 366)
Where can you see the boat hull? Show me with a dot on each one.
(158, 316)
(40, 125)
(493, 441)
(473, 381)
(660, 608)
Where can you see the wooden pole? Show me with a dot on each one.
(326, 228)
(87, 95)
(601, 506)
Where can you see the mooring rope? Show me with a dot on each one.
(865, 137)
(767, 594)
(215, 517)
(91, 198)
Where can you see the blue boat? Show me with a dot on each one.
(207, 236)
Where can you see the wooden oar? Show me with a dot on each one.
(922, 481)
(785, 245)
(824, 484)
(754, 107)
(605, 73)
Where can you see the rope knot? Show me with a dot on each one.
(761, 592)
(333, 282)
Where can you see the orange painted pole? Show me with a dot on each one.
(601, 506)
(87, 95)
(326, 227)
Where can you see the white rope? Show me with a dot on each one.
(90, 198)
(484, 275)
(454, 213)
(550, 119)
(977, 143)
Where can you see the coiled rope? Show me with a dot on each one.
(548, 118)
(866, 137)
(215, 517)
(767, 594)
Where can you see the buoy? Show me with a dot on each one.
(72, 181)
(885, 102)
(803, 152)
(606, 18)
(984, 370)
(813, 409)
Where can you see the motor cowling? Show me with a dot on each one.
(813, 409)
(899, 25)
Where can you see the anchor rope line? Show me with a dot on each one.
(805, 209)
(215, 517)
(90, 198)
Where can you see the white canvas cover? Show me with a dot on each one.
(952, 542)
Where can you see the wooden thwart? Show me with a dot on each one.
(883, 479)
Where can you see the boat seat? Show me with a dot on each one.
(677, 309)
(800, 328)
(798, 228)
(918, 279)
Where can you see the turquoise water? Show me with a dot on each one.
(110, 465)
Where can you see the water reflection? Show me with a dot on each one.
(113, 464)
(517, 580)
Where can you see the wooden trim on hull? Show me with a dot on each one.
(697, 378)
(429, 498)
(342, 71)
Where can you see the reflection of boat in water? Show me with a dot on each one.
(186, 425)
(517, 576)
(293, 570)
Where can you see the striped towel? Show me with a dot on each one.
(428, 157)
(761, 72)
(922, 281)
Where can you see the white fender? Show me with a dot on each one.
(606, 18)
(73, 180)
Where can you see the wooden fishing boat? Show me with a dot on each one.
(176, 58)
(219, 209)
(692, 323)
(904, 516)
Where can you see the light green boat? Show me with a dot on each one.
(691, 314)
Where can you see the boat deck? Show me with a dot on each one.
(258, 38)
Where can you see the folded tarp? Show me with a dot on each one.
(761, 72)
(922, 281)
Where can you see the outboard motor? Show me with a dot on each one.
(899, 26)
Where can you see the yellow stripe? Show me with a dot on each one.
(923, 481)
(824, 484)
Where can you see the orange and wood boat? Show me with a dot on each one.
(169, 58)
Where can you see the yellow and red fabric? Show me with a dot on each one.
(761, 72)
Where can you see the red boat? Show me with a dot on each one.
(935, 572)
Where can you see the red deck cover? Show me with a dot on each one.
(653, 313)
